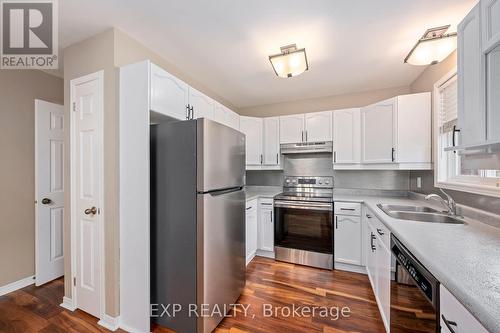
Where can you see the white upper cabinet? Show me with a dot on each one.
(490, 18)
(252, 128)
(202, 105)
(378, 136)
(471, 113)
(169, 95)
(490, 12)
(226, 116)
(347, 136)
(396, 133)
(292, 128)
(271, 142)
(318, 126)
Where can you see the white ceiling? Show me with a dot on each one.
(352, 45)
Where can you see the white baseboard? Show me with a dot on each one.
(111, 323)
(350, 268)
(68, 304)
(250, 257)
(266, 254)
(16, 285)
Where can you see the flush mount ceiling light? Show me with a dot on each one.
(434, 46)
(290, 62)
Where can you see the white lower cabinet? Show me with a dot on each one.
(266, 225)
(378, 264)
(251, 219)
(347, 236)
(454, 317)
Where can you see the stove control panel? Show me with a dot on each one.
(315, 182)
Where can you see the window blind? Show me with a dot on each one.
(448, 112)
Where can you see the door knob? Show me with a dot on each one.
(92, 211)
(46, 201)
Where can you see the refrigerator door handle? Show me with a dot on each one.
(223, 191)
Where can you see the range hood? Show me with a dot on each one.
(307, 147)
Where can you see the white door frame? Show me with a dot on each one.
(99, 76)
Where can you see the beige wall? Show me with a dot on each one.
(425, 82)
(18, 90)
(89, 56)
(128, 51)
(323, 103)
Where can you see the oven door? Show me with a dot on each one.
(303, 232)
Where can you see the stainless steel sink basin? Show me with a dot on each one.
(425, 217)
(419, 213)
(402, 208)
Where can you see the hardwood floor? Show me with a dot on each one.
(279, 284)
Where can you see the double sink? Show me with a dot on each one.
(419, 213)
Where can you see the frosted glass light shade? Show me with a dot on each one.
(432, 51)
(289, 63)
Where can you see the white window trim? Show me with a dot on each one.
(469, 184)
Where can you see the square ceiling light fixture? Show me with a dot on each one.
(434, 46)
(290, 62)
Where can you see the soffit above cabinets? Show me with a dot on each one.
(352, 46)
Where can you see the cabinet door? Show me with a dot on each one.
(471, 113)
(493, 91)
(371, 256)
(271, 140)
(378, 132)
(220, 113)
(251, 229)
(347, 136)
(233, 119)
(252, 128)
(266, 227)
(490, 18)
(383, 270)
(292, 128)
(347, 236)
(318, 126)
(203, 106)
(169, 95)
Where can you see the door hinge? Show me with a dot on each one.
(74, 106)
(74, 281)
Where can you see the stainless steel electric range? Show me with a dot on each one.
(304, 221)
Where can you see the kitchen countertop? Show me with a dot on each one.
(464, 258)
(254, 192)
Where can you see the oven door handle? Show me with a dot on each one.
(304, 205)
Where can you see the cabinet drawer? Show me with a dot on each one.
(458, 318)
(347, 208)
(380, 230)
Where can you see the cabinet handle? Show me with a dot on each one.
(187, 112)
(369, 216)
(306, 136)
(348, 209)
(248, 208)
(334, 157)
(277, 159)
(449, 323)
(271, 212)
(302, 136)
(380, 232)
(260, 158)
(392, 154)
(192, 112)
(372, 238)
(336, 222)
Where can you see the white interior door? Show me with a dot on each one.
(49, 180)
(86, 174)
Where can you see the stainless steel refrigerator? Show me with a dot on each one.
(197, 222)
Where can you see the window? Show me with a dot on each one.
(456, 170)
